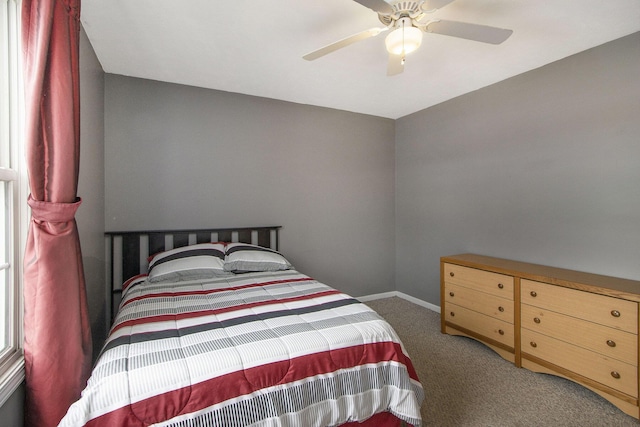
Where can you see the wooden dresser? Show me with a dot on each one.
(580, 326)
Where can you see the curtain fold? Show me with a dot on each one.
(57, 335)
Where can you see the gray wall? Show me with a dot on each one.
(12, 412)
(184, 157)
(90, 215)
(543, 167)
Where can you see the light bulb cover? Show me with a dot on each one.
(403, 40)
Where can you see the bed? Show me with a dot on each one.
(216, 327)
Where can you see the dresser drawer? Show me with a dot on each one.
(488, 304)
(485, 281)
(481, 324)
(602, 309)
(608, 341)
(610, 372)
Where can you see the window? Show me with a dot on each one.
(12, 202)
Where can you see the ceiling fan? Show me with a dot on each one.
(407, 21)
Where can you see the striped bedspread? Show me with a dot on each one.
(263, 349)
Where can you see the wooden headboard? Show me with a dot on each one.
(128, 251)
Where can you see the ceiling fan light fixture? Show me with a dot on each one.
(403, 40)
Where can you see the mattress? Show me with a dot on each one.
(269, 348)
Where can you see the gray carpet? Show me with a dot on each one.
(467, 384)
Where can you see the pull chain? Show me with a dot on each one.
(403, 53)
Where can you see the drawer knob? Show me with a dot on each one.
(451, 294)
(501, 309)
(615, 313)
(611, 343)
(615, 375)
(500, 331)
(452, 314)
(500, 286)
(536, 319)
(533, 294)
(533, 344)
(451, 274)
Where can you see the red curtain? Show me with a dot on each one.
(57, 334)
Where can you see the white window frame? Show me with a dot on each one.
(12, 120)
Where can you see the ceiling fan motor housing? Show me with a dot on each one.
(402, 9)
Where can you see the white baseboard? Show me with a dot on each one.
(378, 296)
(402, 295)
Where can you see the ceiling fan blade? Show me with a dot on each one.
(395, 65)
(372, 32)
(433, 5)
(464, 30)
(379, 6)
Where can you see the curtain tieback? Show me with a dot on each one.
(53, 212)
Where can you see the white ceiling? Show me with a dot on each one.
(255, 47)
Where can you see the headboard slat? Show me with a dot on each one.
(244, 236)
(264, 238)
(203, 237)
(224, 235)
(180, 240)
(130, 256)
(156, 243)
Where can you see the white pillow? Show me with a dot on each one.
(201, 261)
(242, 257)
